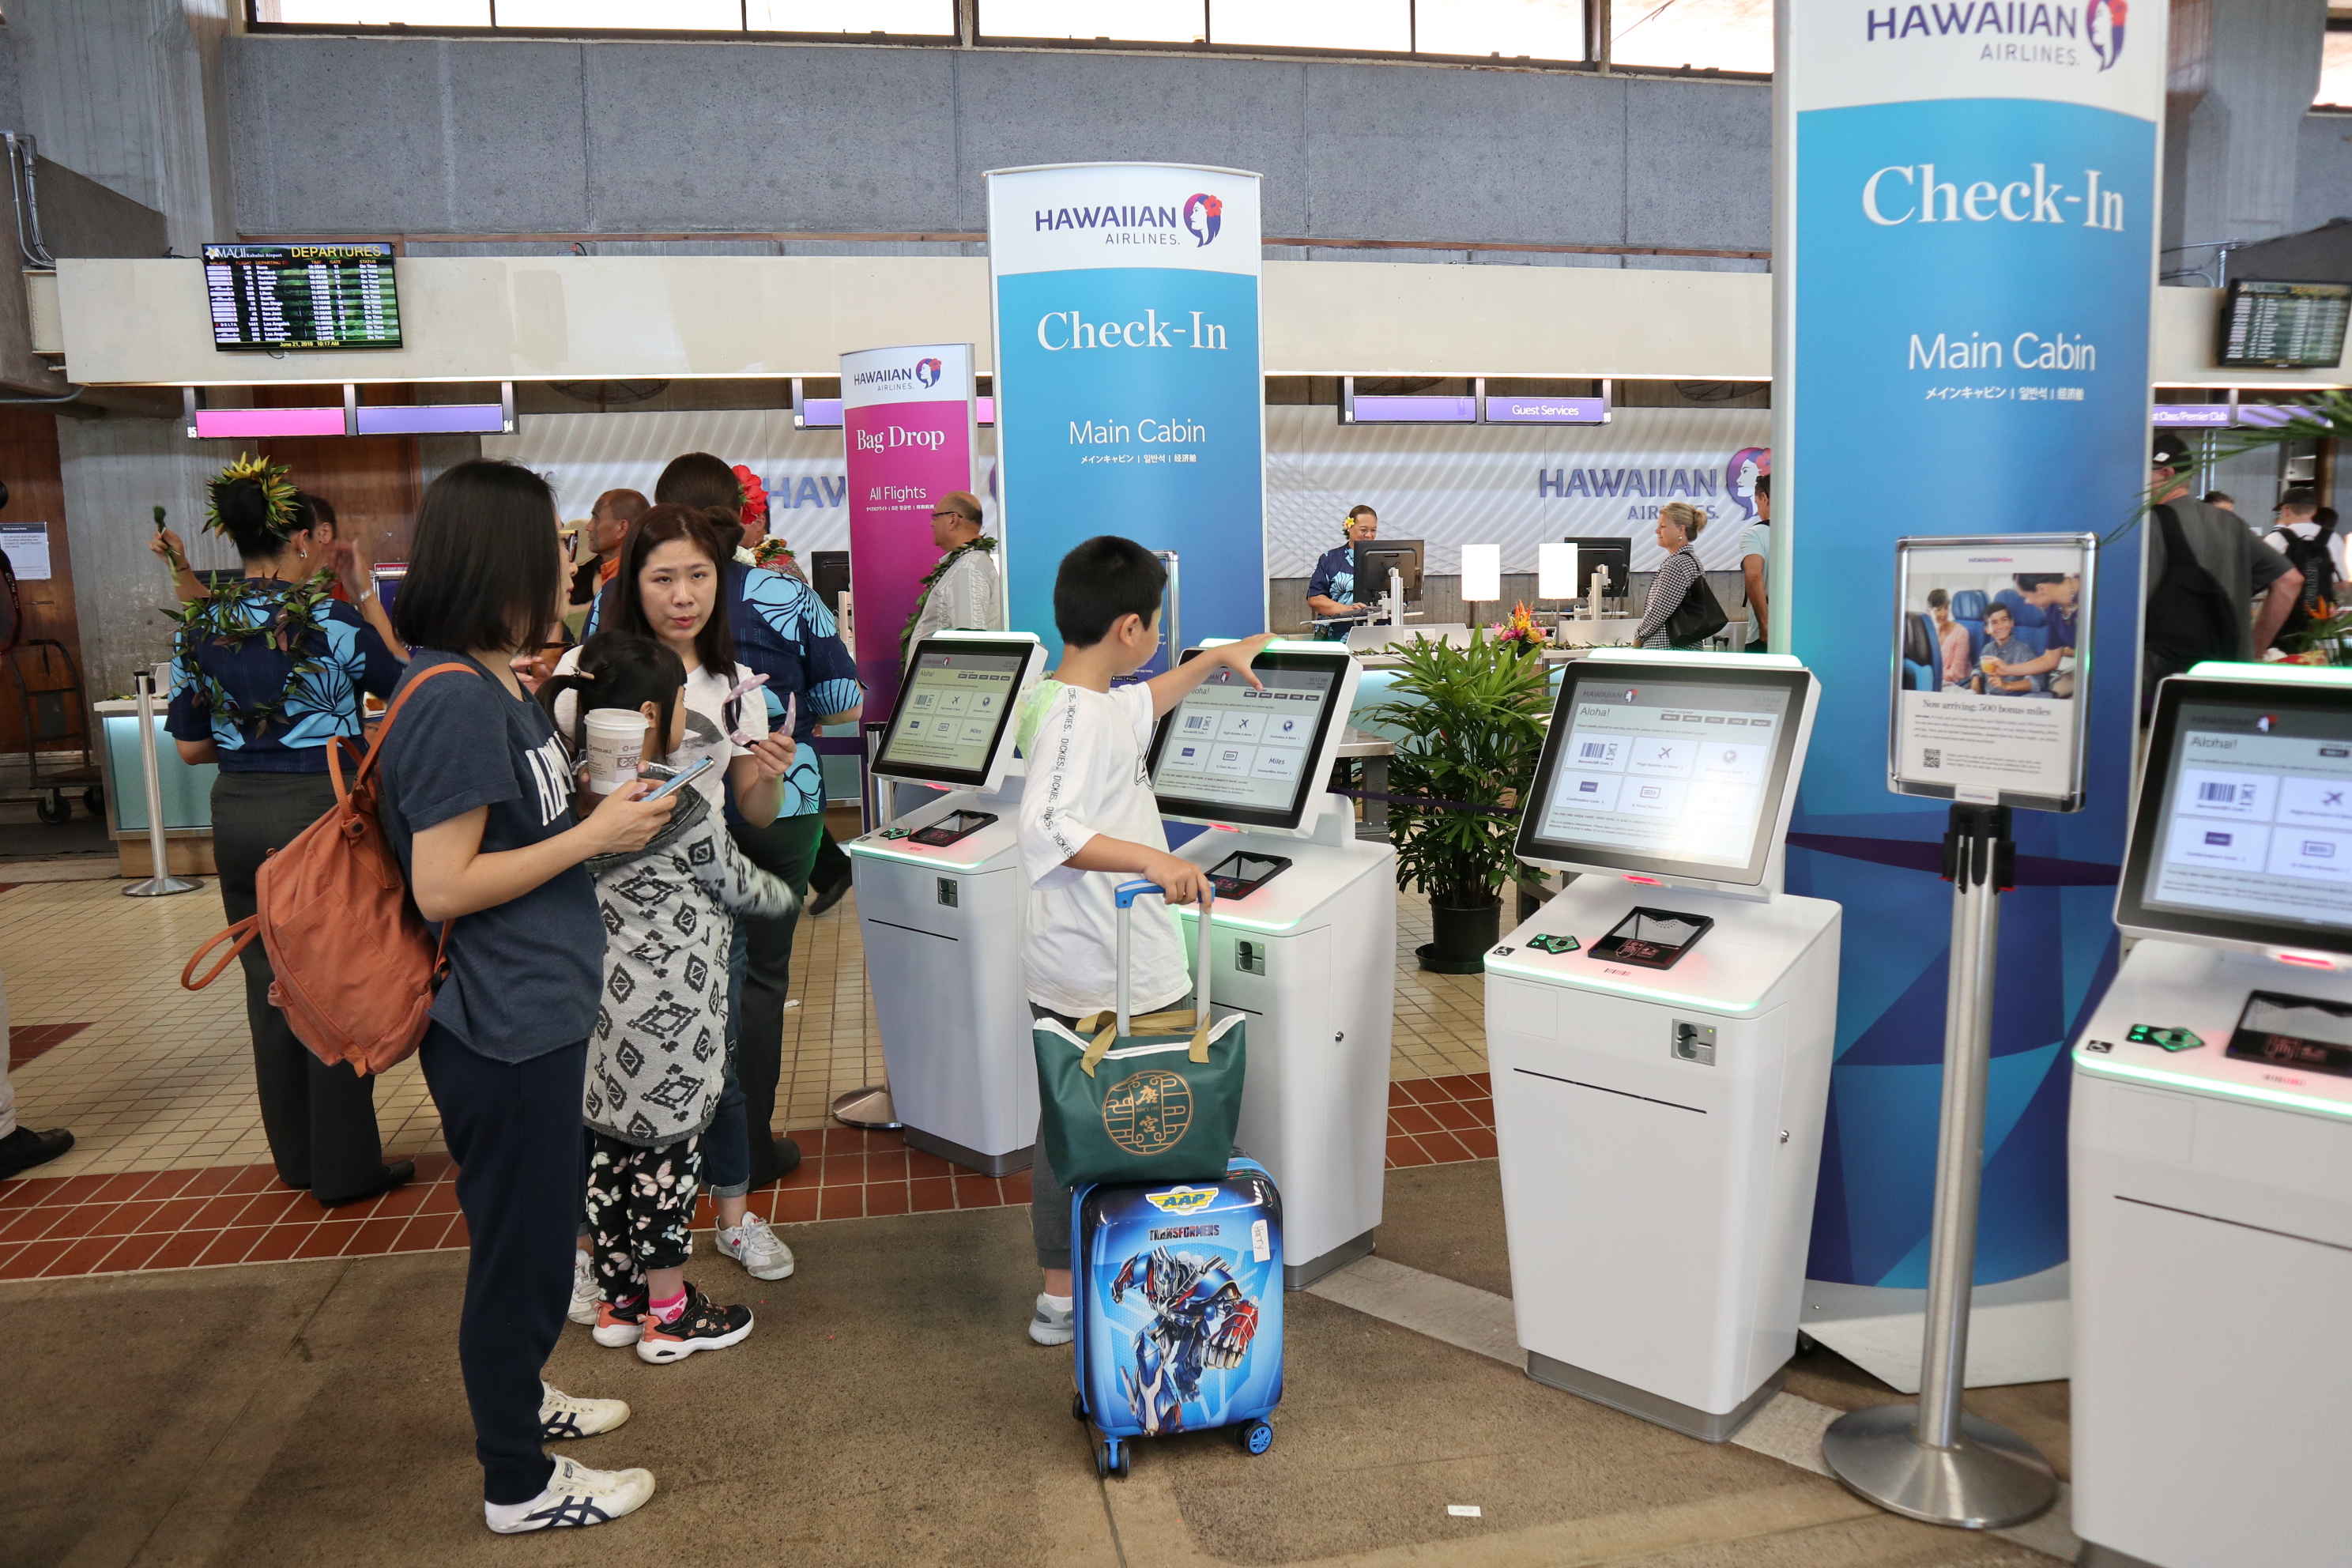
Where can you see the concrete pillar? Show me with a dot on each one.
(2241, 74)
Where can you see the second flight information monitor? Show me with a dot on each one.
(302, 296)
(1234, 752)
(952, 712)
(2284, 326)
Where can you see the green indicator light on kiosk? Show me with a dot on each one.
(1554, 945)
(2170, 1039)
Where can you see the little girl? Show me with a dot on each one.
(657, 1054)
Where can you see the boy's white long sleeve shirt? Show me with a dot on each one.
(1088, 777)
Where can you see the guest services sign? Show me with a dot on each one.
(1963, 259)
(1129, 397)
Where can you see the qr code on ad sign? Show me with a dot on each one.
(1932, 758)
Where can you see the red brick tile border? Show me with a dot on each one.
(27, 1041)
(58, 1225)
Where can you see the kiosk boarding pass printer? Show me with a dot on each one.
(2210, 1147)
(1302, 933)
(941, 901)
(1659, 1035)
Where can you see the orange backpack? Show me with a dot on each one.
(356, 967)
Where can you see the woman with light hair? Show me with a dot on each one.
(1679, 577)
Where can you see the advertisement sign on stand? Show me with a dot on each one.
(1991, 669)
(1964, 263)
(1129, 392)
(908, 429)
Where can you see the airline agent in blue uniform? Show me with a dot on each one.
(1332, 590)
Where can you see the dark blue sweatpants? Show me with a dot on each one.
(515, 1130)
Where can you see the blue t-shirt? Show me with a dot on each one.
(324, 703)
(523, 975)
(2058, 626)
(784, 631)
(1335, 579)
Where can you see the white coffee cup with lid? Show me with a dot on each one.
(615, 745)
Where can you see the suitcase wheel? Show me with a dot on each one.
(1113, 1459)
(1255, 1436)
(1078, 1407)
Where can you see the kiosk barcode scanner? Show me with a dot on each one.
(941, 901)
(1303, 934)
(1659, 1035)
(2210, 1143)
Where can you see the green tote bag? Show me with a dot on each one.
(1152, 1098)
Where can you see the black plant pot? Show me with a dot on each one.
(1463, 936)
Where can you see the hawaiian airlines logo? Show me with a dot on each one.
(1739, 476)
(1204, 214)
(927, 372)
(2105, 34)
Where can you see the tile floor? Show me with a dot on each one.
(170, 1168)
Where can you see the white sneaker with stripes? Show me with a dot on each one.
(575, 1497)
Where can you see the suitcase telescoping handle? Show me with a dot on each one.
(1127, 893)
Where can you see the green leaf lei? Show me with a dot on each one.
(985, 543)
(286, 626)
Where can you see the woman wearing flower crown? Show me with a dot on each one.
(266, 673)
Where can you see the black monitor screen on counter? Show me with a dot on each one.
(1668, 772)
(1375, 559)
(2244, 826)
(1232, 753)
(952, 710)
(302, 296)
(1615, 555)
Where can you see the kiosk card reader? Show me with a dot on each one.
(2210, 1143)
(1304, 936)
(941, 901)
(1659, 1035)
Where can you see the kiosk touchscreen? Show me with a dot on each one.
(940, 903)
(1659, 1035)
(2210, 1141)
(1303, 932)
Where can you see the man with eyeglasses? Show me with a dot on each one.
(963, 592)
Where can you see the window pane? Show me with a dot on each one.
(923, 19)
(375, 13)
(1541, 29)
(2335, 71)
(1729, 35)
(620, 16)
(1313, 24)
(1148, 21)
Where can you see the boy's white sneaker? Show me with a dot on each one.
(759, 1250)
(560, 1416)
(586, 1294)
(575, 1496)
(1052, 1325)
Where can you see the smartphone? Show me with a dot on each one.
(670, 785)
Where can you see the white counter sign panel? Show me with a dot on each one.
(1992, 677)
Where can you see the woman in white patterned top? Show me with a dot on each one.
(1679, 524)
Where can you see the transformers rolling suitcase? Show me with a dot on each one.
(1178, 1310)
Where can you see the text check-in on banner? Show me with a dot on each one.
(1130, 396)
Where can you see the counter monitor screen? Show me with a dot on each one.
(302, 296)
(2284, 326)
(1680, 776)
(952, 711)
(1232, 753)
(2244, 825)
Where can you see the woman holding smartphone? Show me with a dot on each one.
(477, 804)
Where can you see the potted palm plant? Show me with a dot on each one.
(1468, 723)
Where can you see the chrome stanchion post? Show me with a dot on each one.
(1934, 1461)
(162, 883)
(871, 1107)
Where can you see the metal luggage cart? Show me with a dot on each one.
(55, 712)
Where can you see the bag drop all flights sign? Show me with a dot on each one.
(909, 431)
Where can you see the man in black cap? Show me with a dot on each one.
(2236, 562)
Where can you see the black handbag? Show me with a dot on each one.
(1697, 618)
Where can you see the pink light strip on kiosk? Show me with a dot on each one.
(260, 422)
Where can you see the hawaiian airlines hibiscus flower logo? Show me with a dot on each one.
(2106, 33)
(927, 370)
(1204, 214)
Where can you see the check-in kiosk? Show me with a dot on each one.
(2210, 1143)
(1659, 1035)
(941, 901)
(1303, 934)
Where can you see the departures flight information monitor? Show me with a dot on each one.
(2245, 830)
(1680, 776)
(1234, 753)
(302, 296)
(952, 711)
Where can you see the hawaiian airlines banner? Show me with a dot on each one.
(1965, 246)
(1128, 388)
(908, 435)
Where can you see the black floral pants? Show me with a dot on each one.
(640, 1208)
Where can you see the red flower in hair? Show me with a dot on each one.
(751, 496)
